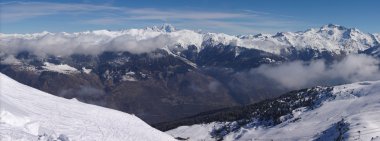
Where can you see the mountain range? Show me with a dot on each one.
(163, 73)
(344, 112)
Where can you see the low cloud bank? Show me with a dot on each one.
(95, 42)
(298, 74)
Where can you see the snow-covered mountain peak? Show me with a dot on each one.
(168, 27)
(163, 28)
(332, 38)
(338, 31)
(333, 27)
(377, 37)
(260, 35)
(219, 38)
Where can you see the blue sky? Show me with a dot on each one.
(228, 16)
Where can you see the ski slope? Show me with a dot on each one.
(358, 104)
(30, 114)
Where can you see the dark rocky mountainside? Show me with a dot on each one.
(267, 112)
(155, 86)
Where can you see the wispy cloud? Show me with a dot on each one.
(153, 14)
(15, 11)
(23, 10)
(352, 68)
(240, 21)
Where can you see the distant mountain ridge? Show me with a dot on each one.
(331, 37)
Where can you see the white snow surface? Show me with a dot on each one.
(334, 38)
(61, 68)
(357, 103)
(129, 76)
(87, 71)
(28, 114)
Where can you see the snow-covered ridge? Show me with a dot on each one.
(330, 37)
(61, 68)
(350, 114)
(30, 114)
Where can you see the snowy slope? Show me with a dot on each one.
(29, 114)
(333, 38)
(61, 68)
(357, 104)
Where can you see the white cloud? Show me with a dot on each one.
(95, 42)
(295, 75)
(157, 14)
(14, 11)
(244, 21)
(9, 59)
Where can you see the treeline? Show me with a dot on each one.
(267, 112)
